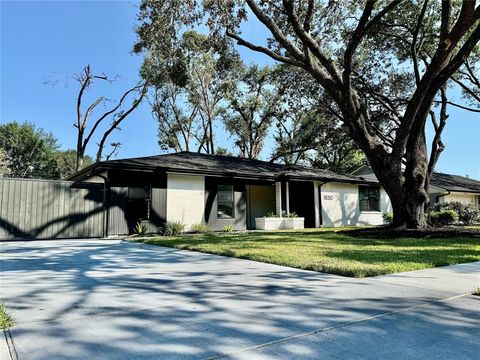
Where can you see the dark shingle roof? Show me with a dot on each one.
(455, 183)
(189, 162)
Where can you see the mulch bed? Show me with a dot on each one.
(387, 232)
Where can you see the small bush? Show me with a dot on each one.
(6, 320)
(293, 214)
(271, 214)
(199, 228)
(443, 218)
(174, 228)
(387, 217)
(228, 228)
(140, 229)
(468, 214)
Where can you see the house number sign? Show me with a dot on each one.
(327, 197)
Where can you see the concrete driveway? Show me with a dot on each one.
(82, 299)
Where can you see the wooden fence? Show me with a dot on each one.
(50, 209)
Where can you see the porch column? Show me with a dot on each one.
(287, 198)
(278, 198)
(316, 200)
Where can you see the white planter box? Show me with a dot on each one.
(294, 223)
(273, 223)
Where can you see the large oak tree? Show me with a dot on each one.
(383, 64)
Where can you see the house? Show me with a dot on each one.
(224, 191)
(443, 187)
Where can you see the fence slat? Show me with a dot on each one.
(48, 208)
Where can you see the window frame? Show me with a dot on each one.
(219, 186)
(369, 199)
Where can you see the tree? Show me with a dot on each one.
(313, 138)
(67, 162)
(307, 130)
(177, 118)
(30, 152)
(383, 64)
(4, 169)
(189, 88)
(253, 104)
(115, 115)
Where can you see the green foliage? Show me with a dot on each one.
(253, 102)
(387, 217)
(476, 292)
(227, 228)
(140, 229)
(292, 214)
(189, 77)
(6, 320)
(271, 214)
(306, 130)
(199, 228)
(4, 170)
(174, 228)
(29, 152)
(443, 217)
(66, 162)
(468, 214)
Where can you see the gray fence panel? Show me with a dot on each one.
(50, 209)
(117, 221)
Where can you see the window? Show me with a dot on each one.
(225, 202)
(139, 203)
(369, 198)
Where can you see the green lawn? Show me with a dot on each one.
(328, 251)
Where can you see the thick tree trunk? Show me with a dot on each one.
(406, 186)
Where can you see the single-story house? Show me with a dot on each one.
(443, 187)
(224, 191)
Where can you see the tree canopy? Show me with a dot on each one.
(383, 65)
(30, 152)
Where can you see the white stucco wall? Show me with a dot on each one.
(185, 199)
(340, 206)
(465, 198)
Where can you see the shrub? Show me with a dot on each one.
(228, 228)
(174, 228)
(387, 217)
(293, 214)
(468, 214)
(140, 229)
(6, 320)
(443, 218)
(199, 228)
(271, 214)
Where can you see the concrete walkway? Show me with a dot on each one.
(82, 299)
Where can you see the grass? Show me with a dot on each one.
(327, 250)
(6, 320)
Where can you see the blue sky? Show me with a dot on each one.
(47, 42)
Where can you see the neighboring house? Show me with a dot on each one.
(443, 187)
(229, 191)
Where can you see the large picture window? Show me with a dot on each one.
(369, 198)
(225, 204)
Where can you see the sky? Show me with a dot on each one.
(44, 44)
